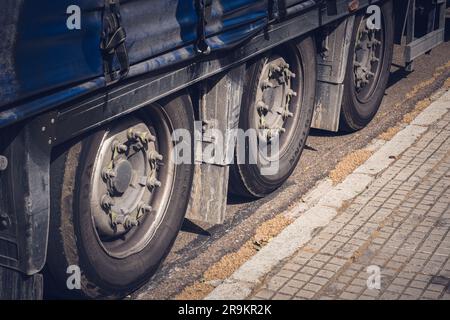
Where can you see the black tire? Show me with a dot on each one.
(73, 240)
(246, 179)
(359, 109)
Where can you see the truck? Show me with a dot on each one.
(96, 97)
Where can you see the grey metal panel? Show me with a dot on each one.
(328, 107)
(25, 189)
(16, 286)
(422, 45)
(332, 65)
(220, 108)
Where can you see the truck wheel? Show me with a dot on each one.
(278, 102)
(118, 202)
(368, 70)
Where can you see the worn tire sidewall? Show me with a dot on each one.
(103, 275)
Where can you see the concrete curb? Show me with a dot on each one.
(321, 205)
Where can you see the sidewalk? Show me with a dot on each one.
(391, 241)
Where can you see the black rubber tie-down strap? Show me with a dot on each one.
(115, 46)
(117, 39)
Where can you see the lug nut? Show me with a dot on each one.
(143, 137)
(290, 74)
(155, 156)
(132, 135)
(153, 182)
(288, 114)
(108, 173)
(107, 202)
(118, 219)
(147, 137)
(267, 84)
(262, 106)
(292, 93)
(130, 222)
(120, 147)
(275, 68)
(369, 75)
(146, 209)
(143, 209)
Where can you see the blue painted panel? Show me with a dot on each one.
(232, 21)
(155, 27)
(166, 30)
(41, 58)
(43, 53)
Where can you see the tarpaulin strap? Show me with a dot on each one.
(113, 43)
(201, 6)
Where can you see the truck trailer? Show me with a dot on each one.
(95, 93)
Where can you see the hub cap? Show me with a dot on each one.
(367, 60)
(273, 99)
(131, 184)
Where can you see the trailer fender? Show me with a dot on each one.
(332, 64)
(219, 108)
(25, 195)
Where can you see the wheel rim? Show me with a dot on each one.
(277, 102)
(131, 182)
(367, 60)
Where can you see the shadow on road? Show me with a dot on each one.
(191, 227)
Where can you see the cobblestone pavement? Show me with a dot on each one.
(398, 226)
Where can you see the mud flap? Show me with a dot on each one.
(332, 65)
(14, 285)
(25, 196)
(220, 101)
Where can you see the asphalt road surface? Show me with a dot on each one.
(199, 246)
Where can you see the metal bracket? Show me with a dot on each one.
(3, 163)
(219, 111)
(203, 8)
(332, 65)
(417, 45)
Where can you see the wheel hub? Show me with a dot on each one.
(273, 98)
(122, 177)
(366, 57)
(129, 177)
